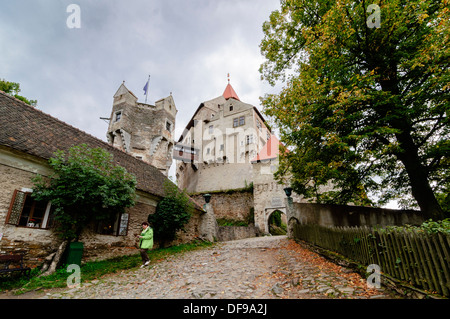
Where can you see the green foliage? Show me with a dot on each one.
(231, 222)
(365, 108)
(429, 226)
(13, 89)
(248, 188)
(276, 225)
(86, 186)
(172, 213)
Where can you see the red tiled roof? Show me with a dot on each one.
(29, 130)
(230, 93)
(269, 151)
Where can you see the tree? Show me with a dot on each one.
(13, 89)
(363, 107)
(172, 213)
(86, 186)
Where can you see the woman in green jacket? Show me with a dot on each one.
(145, 243)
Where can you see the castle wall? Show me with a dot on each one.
(236, 205)
(215, 177)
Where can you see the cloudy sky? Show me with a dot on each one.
(187, 46)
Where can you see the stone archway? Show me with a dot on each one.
(268, 212)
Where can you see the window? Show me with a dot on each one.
(211, 129)
(258, 124)
(24, 211)
(249, 139)
(221, 147)
(168, 126)
(117, 226)
(231, 107)
(118, 116)
(239, 121)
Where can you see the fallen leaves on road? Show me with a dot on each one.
(335, 274)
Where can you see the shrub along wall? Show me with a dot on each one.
(412, 255)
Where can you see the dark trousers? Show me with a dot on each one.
(144, 255)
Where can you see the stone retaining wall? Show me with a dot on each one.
(227, 233)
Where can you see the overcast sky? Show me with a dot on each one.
(187, 47)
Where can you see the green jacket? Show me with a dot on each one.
(146, 242)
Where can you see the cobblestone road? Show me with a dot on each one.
(261, 267)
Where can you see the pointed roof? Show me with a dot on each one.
(230, 93)
(123, 90)
(269, 151)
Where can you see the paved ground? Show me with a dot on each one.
(262, 267)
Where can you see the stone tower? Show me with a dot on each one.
(143, 130)
(227, 134)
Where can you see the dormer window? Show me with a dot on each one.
(231, 108)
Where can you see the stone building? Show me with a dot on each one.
(235, 158)
(145, 131)
(28, 138)
(225, 134)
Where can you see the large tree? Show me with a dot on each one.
(365, 99)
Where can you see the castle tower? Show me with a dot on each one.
(226, 134)
(143, 130)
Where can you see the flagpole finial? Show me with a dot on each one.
(228, 75)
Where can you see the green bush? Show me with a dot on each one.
(429, 226)
(172, 214)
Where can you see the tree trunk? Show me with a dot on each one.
(418, 176)
(48, 270)
(417, 172)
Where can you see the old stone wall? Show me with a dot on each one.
(235, 205)
(35, 244)
(346, 215)
(214, 176)
(100, 247)
(237, 232)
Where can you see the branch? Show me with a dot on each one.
(434, 129)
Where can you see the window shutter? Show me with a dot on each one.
(123, 226)
(16, 207)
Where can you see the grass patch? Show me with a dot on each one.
(231, 222)
(93, 270)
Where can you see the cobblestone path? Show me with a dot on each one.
(261, 267)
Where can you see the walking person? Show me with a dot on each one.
(145, 243)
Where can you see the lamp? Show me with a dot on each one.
(288, 191)
(207, 198)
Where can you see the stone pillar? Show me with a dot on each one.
(289, 202)
(209, 229)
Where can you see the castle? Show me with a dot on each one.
(227, 134)
(144, 131)
(226, 149)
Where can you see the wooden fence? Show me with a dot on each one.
(421, 259)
